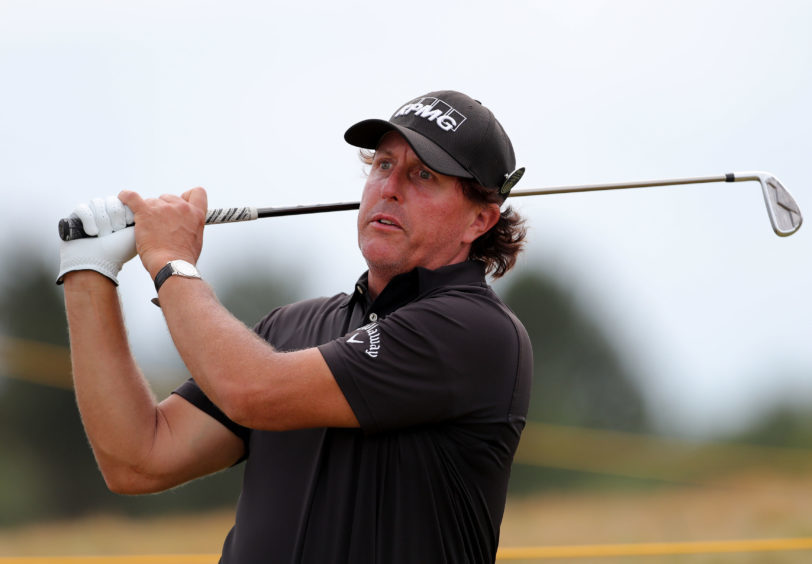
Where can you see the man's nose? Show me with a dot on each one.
(392, 187)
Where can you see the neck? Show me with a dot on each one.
(376, 282)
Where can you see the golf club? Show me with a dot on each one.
(783, 211)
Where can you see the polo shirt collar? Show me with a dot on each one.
(408, 286)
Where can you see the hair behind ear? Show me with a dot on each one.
(498, 247)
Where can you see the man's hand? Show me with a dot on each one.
(169, 227)
(112, 242)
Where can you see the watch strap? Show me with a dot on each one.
(162, 275)
(168, 270)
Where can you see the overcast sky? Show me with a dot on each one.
(251, 99)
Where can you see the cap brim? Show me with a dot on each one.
(367, 134)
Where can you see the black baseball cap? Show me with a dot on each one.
(452, 133)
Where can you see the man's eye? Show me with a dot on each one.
(425, 175)
(385, 165)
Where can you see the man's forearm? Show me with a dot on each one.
(253, 384)
(242, 374)
(117, 407)
(219, 351)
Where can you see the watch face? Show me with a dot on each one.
(184, 268)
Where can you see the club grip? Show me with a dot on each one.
(230, 215)
(70, 228)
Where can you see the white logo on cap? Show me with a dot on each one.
(434, 110)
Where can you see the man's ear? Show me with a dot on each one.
(484, 220)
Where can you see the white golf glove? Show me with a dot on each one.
(112, 242)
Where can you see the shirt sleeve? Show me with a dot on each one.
(437, 359)
(192, 393)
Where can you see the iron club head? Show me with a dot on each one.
(785, 215)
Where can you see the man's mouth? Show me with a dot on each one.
(383, 219)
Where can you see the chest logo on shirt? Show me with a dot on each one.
(369, 334)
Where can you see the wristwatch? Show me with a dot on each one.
(175, 268)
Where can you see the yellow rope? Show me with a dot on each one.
(652, 549)
(504, 553)
(545, 445)
(130, 559)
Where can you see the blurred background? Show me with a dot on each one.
(673, 389)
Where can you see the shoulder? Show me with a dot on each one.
(305, 317)
(478, 333)
(464, 329)
(476, 310)
(454, 353)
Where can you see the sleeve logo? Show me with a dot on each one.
(369, 335)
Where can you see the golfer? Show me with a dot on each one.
(374, 426)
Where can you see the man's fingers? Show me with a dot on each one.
(99, 207)
(117, 212)
(85, 214)
(197, 197)
(102, 216)
(132, 200)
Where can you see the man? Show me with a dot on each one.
(378, 426)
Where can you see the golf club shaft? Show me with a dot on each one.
(71, 228)
(319, 208)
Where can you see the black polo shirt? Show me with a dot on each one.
(437, 370)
